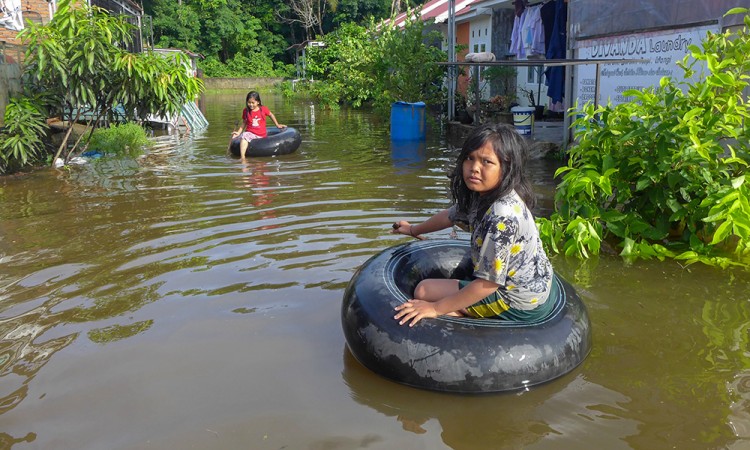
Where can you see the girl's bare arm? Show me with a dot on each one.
(278, 125)
(439, 221)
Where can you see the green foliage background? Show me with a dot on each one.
(377, 65)
(249, 38)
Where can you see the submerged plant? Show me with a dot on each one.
(126, 139)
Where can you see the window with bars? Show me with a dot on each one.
(132, 13)
(535, 74)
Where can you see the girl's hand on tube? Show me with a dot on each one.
(401, 227)
(413, 311)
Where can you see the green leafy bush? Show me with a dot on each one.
(345, 64)
(377, 65)
(327, 94)
(127, 139)
(21, 139)
(252, 64)
(405, 63)
(664, 175)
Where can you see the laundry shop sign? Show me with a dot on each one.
(638, 46)
(660, 51)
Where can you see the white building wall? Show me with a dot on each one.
(480, 35)
(480, 40)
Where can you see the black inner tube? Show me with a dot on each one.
(455, 354)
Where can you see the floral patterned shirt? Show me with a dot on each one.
(506, 249)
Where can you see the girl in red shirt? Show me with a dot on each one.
(254, 122)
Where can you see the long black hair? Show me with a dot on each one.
(511, 150)
(254, 95)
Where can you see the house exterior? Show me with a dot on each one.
(488, 25)
(436, 10)
(37, 11)
(15, 13)
(655, 31)
(42, 11)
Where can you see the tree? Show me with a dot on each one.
(404, 62)
(20, 139)
(378, 65)
(308, 14)
(345, 65)
(395, 7)
(77, 61)
(236, 37)
(175, 25)
(358, 12)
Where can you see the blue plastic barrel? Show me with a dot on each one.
(408, 121)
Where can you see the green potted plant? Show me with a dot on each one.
(538, 109)
(502, 79)
(462, 112)
(497, 109)
(502, 83)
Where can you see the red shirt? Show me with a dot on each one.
(256, 120)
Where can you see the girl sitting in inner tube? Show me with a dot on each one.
(254, 122)
(492, 199)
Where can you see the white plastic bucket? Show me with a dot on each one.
(523, 119)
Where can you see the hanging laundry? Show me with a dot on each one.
(556, 75)
(548, 22)
(516, 43)
(532, 33)
(12, 18)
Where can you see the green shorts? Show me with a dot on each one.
(503, 312)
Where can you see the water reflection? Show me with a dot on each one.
(22, 356)
(116, 332)
(408, 156)
(739, 415)
(679, 339)
(8, 441)
(256, 179)
(569, 407)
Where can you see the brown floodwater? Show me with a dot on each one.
(187, 300)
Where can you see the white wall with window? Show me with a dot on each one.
(531, 81)
(480, 40)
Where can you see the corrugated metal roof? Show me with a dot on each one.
(437, 10)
